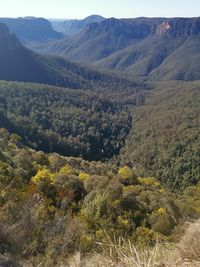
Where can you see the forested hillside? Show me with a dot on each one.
(87, 123)
(159, 127)
(165, 138)
(52, 206)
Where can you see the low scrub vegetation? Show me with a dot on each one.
(52, 207)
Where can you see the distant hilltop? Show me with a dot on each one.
(31, 29)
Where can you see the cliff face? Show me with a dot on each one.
(178, 27)
(141, 28)
(163, 28)
(133, 29)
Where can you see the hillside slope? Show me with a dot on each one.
(159, 48)
(165, 138)
(18, 63)
(53, 206)
(159, 127)
(99, 40)
(87, 123)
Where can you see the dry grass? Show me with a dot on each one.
(121, 255)
(124, 254)
(189, 245)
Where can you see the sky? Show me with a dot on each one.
(107, 8)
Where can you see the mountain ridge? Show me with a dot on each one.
(18, 63)
(74, 26)
(31, 29)
(140, 47)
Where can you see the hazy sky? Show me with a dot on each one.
(107, 8)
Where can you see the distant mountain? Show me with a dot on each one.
(160, 48)
(99, 40)
(74, 26)
(30, 29)
(18, 63)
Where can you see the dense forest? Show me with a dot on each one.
(52, 206)
(91, 124)
(165, 138)
(154, 130)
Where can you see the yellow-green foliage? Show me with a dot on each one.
(149, 181)
(144, 236)
(3, 168)
(44, 175)
(86, 242)
(134, 189)
(191, 197)
(123, 222)
(66, 170)
(160, 211)
(100, 234)
(95, 209)
(162, 221)
(3, 193)
(67, 210)
(83, 176)
(125, 172)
